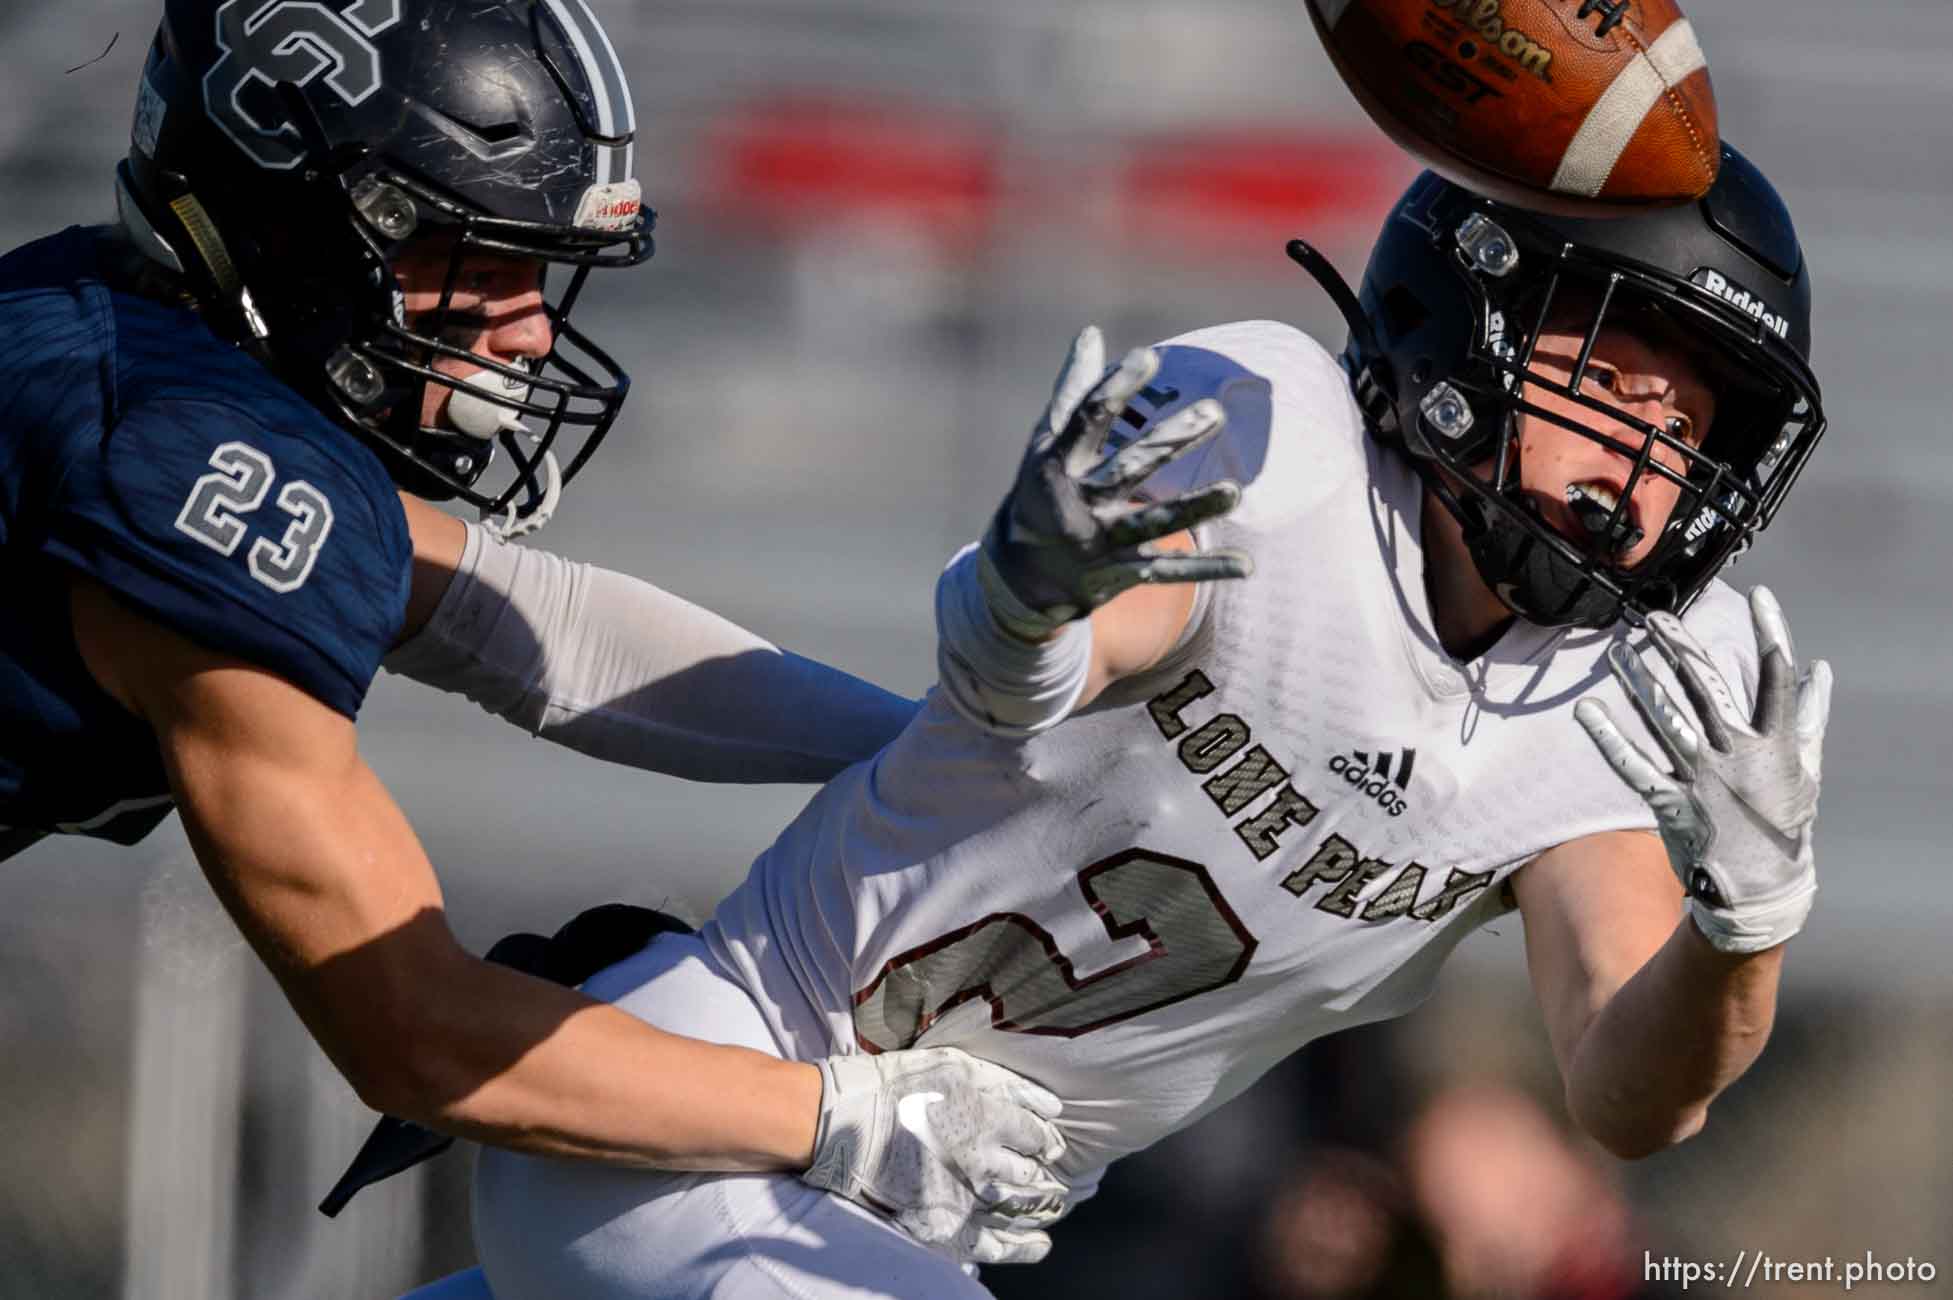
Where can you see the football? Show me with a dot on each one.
(1579, 107)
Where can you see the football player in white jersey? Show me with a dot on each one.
(1154, 832)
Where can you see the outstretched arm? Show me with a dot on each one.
(615, 668)
(1077, 583)
(1648, 1022)
(1652, 1018)
(321, 872)
(318, 867)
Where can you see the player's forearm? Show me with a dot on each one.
(328, 882)
(618, 669)
(425, 1031)
(512, 1061)
(1014, 682)
(1685, 1027)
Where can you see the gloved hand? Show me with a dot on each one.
(956, 1151)
(1738, 798)
(1068, 538)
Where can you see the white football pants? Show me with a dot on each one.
(553, 1229)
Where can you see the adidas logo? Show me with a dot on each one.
(1383, 778)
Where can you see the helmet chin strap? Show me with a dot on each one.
(142, 233)
(513, 523)
(489, 421)
(1530, 578)
(1533, 579)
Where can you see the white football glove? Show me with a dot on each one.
(1068, 538)
(956, 1151)
(1736, 812)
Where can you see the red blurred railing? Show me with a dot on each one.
(799, 166)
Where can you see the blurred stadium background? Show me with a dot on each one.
(881, 220)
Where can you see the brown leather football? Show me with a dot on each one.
(1582, 107)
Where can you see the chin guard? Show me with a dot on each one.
(1534, 579)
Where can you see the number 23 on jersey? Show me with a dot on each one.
(241, 478)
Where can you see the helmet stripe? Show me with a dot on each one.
(600, 66)
(1605, 135)
(616, 70)
(613, 164)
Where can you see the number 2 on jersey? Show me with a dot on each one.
(1195, 943)
(241, 482)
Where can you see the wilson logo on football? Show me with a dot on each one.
(1383, 779)
(1487, 18)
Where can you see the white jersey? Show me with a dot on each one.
(1280, 832)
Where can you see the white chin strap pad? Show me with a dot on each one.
(480, 418)
(512, 523)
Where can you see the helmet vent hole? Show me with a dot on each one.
(493, 132)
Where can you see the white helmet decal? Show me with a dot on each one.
(297, 41)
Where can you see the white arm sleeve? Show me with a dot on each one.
(1004, 685)
(619, 670)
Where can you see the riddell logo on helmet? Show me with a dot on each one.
(1374, 778)
(1744, 301)
(611, 208)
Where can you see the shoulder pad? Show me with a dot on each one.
(1190, 373)
(1293, 433)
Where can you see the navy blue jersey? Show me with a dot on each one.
(140, 449)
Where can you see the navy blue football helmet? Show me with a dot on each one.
(1442, 338)
(285, 154)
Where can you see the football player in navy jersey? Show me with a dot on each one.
(352, 238)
